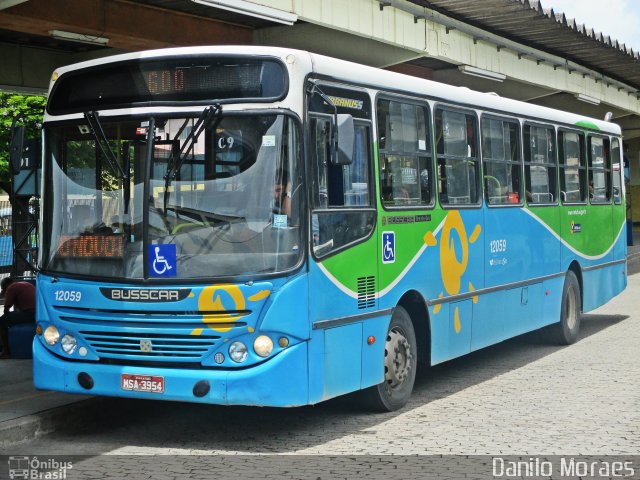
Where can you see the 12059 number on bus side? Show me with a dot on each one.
(498, 246)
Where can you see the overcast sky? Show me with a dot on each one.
(620, 19)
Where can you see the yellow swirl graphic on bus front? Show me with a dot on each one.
(215, 298)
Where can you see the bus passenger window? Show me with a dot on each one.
(501, 157)
(340, 185)
(573, 168)
(340, 191)
(458, 168)
(405, 154)
(599, 170)
(539, 164)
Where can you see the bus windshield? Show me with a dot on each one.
(222, 200)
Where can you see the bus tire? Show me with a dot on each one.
(400, 362)
(565, 332)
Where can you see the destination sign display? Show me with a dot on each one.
(91, 246)
(192, 79)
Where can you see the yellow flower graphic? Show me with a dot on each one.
(453, 263)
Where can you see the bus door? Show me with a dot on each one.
(343, 267)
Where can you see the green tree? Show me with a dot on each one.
(30, 109)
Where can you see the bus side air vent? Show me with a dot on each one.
(366, 292)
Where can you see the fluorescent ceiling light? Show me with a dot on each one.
(587, 99)
(78, 37)
(479, 72)
(10, 3)
(252, 9)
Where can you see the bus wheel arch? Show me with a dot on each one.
(407, 343)
(567, 329)
(415, 305)
(400, 364)
(577, 271)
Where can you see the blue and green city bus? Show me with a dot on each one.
(266, 226)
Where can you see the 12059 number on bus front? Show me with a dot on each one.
(67, 295)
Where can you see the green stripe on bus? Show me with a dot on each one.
(587, 124)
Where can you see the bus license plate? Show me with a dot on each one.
(142, 383)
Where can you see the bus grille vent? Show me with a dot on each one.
(144, 345)
(366, 292)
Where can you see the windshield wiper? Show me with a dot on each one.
(175, 161)
(101, 140)
(107, 152)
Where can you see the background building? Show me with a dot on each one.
(514, 48)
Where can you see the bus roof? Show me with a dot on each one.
(385, 79)
(345, 71)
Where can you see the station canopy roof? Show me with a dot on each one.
(523, 21)
(528, 23)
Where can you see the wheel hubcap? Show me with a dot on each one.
(398, 358)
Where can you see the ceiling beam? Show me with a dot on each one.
(4, 4)
(127, 25)
(538, 97)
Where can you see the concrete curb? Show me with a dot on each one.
(25, 428)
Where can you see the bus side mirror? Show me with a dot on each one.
(345, 142)
(15, 150)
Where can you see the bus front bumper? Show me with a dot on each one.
(279, 382)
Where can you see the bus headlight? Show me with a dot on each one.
(263, 346)
(51, 335)
(68, 344)
(238, 352)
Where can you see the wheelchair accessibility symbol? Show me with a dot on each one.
(162, 260)
(388, 247)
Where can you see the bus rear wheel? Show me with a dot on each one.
(565, 332)
(400, 361)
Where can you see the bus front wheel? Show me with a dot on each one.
(400, 361)
(565, 332)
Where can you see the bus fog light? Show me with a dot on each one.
(238, 352)
(219, 358)
(82, 351)
(51, 335)
(68, 344)
(263, 346)
(283, 342)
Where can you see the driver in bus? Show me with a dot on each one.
(282, 194)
